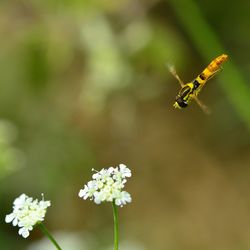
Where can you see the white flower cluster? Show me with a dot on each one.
(107, 185)
(27, 213)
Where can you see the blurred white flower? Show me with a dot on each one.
(27, 213)
(69, 240)
(107, 185)
(11, 158)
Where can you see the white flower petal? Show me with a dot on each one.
(81, 193)
(9, 218)
(24, 232)
(15, 221)
(123, 198)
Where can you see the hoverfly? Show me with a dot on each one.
(191, 89)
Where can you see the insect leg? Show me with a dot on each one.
(172, 70)
(204, 108)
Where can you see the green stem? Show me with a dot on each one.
(116, 227)
(47, 233)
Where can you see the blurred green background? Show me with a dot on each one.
(84, 85)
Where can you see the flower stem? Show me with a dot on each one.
(116, 227)
(47, 233)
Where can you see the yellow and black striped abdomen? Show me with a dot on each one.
(211, 69)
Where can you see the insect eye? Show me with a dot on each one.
(181, 102)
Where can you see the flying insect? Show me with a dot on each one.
(190, 90)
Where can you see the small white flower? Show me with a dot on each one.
(88, 190)
(25, 231)
(27, 213)
(122, 198)
(125, 171)
(107, 185)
